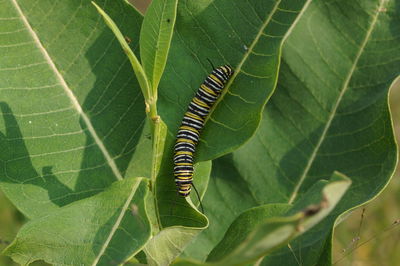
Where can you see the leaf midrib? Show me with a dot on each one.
(74, 101)
(337, 103)
(246, 55)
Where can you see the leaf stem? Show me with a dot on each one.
(151, 106)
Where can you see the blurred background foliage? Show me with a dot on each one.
(369, 235)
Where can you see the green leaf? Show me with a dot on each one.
(160, 134)
(227, 196)
(116, 220)
(335, 109)
(137, 67)
(245, 34)
(71, 117)
(250, 221)
(174, 209)
(141, 161)
(177, 210)
(328, 113)
(164, 247)
(178, 216)
(252, 234)
(155, 38)
(260, 230)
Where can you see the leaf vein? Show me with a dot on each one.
(337, 103)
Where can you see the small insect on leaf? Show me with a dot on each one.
(315, 208)
(127, 39)
(311, 210)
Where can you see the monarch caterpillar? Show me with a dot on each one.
(192, 124)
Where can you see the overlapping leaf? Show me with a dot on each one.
(261, 230)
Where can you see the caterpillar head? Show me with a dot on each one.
(227, 71)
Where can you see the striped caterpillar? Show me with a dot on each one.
(192, 124)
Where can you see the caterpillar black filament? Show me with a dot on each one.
(192, 123)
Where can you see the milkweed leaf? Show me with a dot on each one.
(116, 220)
(59, 139)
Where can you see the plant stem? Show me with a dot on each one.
(158, 129)
(158, 133)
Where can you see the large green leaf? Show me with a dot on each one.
(72, 112)
(261, 230)
(115, 219)
(352, 132)
(328, 113)
(245, 34)
(251, 235)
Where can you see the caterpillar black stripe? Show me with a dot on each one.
(192, 124)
